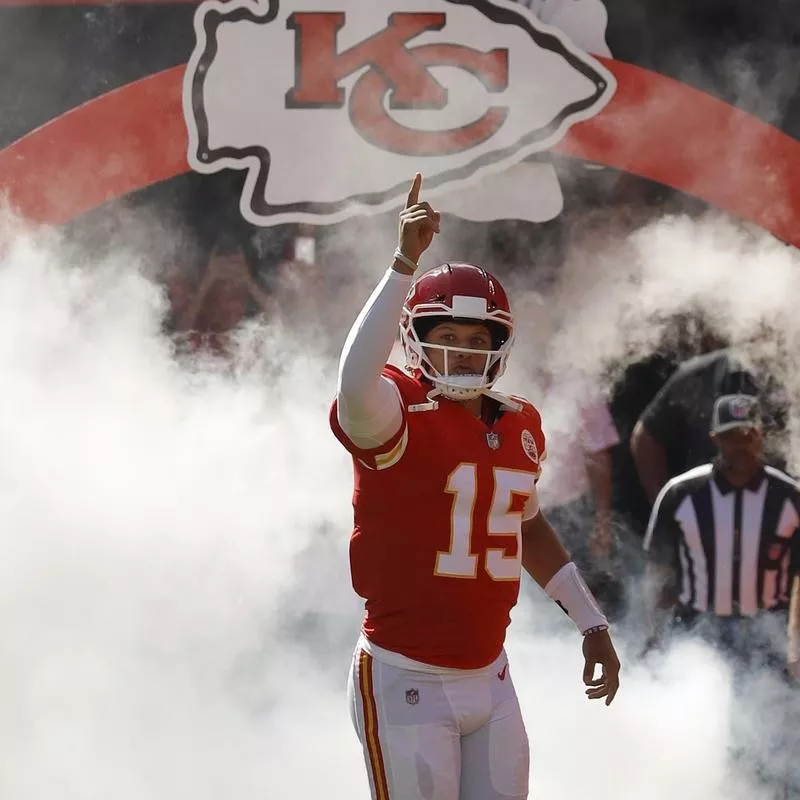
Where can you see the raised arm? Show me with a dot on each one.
(368, 404)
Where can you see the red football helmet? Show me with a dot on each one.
(461, 293)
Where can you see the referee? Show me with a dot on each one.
(723, 544)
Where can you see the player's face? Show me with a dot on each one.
(740, 448)
(465, 337)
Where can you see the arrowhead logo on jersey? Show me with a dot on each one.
(330, 105)
(529, 446)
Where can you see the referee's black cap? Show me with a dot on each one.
(735, 411)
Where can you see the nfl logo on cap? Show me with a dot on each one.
(740, 407)
(734, 411)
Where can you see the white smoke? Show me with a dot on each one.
(154, 518)
(175, 606)
(625, 282)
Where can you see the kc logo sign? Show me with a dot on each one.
(330, 105)
(396, 74)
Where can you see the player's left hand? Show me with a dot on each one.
(794, 670)
(598, 650)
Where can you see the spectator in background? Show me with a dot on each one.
(635, 382)
(671, 435)
(293, 277)
(226, 294)
(576, 489)
(634, 387)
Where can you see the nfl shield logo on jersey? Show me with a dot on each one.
(493, 440)
(412, 696)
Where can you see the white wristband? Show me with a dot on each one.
(570, 591)
(405, 260)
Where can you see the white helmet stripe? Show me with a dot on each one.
(464, 306)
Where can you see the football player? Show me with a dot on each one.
(446, 514)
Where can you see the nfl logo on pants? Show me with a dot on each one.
(412, 696)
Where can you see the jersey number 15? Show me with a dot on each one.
(459, 561)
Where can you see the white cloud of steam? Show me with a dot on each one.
(152, 521)
(175, 606)
(618, 290)
(625, 281)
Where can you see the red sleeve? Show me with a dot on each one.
(533, 423)
(376, 458)
(538, 434)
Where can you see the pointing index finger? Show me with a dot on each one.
(413, 194)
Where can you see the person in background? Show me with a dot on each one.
(294, 275)
(671, 435)
(226, 295)
(576, 489)
(724, 548)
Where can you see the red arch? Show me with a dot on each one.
(654, 127)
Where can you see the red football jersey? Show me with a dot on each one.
(436, 545)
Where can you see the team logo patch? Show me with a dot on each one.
(493, 440)
(529, 446)
(294, 92)
(412, 696)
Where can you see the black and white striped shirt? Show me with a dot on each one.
(735, 550)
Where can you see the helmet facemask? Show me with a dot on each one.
(457, 386)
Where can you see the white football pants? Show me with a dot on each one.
(437, 734)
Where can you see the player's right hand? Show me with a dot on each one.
(419, 223)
